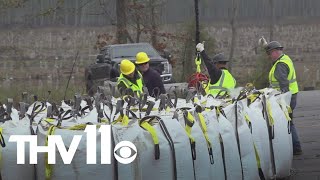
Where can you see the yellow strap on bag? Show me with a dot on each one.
(145, 124)
(50, 120)
(257, 155)
(189, 121)
(105, 120)
(48, 170)
(168, 109)
(204, 128)
(286, 112)
(204, 102)
(151, 130)
(246, 117)
(189, 124)
(252, 97)
(124, 120)
(269, 112)
(78, 127)
(142, 110)
(196, 100)
(289, 109)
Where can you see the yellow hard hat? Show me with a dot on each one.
(142, 57)
(127, 67)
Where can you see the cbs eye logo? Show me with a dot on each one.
(127, 152)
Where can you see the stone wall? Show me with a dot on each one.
(46, 55)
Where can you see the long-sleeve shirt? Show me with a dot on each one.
(214, 72)
(281, 74)
(153, 82)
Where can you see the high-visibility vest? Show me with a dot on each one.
(136, 88)
(293, 84)
(225, 83)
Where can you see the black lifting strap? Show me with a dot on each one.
(265, 113)
(237, 136)
(196, 10)
(171, 143)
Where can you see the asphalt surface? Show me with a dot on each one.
(307, 121)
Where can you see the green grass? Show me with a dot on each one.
(57, 92)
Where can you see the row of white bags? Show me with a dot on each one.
(198, 143)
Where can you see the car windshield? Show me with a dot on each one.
(132, 50)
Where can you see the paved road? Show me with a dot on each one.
(307, 120)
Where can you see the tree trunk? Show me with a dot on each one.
(153, 24)
(138, 23)
(272, 12)
(234, 31)
(121, 21)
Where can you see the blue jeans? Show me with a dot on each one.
(295, 137)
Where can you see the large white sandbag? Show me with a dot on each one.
(247, 152)
(90, 117)
(145, 166)
(260, 135)
(182, 149)
(14, 114)
(282, 140)
(230, 148)
(154, 166)
(217, 168)
(200, 153)
(78, 169)
(38, 110)
(10, 170)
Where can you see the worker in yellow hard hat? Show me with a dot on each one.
(130, 78)
(151, 77)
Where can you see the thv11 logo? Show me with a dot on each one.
(127, 150)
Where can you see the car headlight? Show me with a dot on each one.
(166, 68)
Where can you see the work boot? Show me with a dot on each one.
(297, 152)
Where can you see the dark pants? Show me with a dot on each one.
(295, 137)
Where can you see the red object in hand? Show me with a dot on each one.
(197, 79)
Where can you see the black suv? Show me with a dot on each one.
(108, 61)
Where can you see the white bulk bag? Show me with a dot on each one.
(217, 169)
(78, 169)
(230, 148)
(200, 153)
(145, 166)
(282, 141)
(260, 135)
(248, 157)
(182, 149)
(10, 170)
(40, 112)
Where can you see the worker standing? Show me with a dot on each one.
(221, 80)
(130, 78)
(151, 77)
(282, 77)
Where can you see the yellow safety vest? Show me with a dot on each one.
(225, 83)
(136, 88)
(293, 84)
